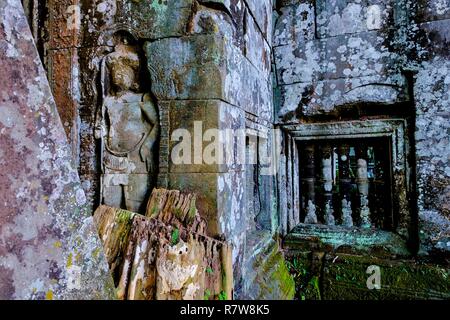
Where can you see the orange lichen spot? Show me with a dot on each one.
(49, 295)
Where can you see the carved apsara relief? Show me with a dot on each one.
(127, 126)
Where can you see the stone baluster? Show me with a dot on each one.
(382, 190)
(362, 181)
(345, 184)
(308, 185)
(327, 184)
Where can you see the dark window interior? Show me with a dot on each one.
(358, 171)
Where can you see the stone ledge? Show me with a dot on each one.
(347, 240)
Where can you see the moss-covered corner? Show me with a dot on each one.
(282, 277)
(307, 283)
(273, 279)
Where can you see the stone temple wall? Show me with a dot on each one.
(207, 62)
(343, 63)
(218, 73)
(357, 60)
(258, 64)
(333, 53)
(431, 94)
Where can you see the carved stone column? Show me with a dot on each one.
(327, 183)
(362, 182)
(308, 185)
(345, 184)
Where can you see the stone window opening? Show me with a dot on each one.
(347, 182)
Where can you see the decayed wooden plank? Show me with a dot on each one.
(167, 254)
(227, 271)
(175, 208)
(114, 227)
(143, 249)
(181, 270)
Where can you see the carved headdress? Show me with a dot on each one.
(125, 55)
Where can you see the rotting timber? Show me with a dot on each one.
(166, 254)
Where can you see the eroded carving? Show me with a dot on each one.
(127, 125)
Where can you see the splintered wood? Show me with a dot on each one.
(177, 209)
(166, 254)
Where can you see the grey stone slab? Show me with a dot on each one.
(431, 10)
(295, 24)
(206, 67)
(438, 35)
(262, 12)
(324, 96)
(340, 17)
(49, 247)
(257, 49)
(432, 97)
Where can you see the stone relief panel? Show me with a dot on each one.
(127, 126)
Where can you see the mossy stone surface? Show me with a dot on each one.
(271, 279)
(345, 277)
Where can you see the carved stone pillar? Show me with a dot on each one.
(345, 184)
(327, 183)
(362, 182)
(308, 185)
